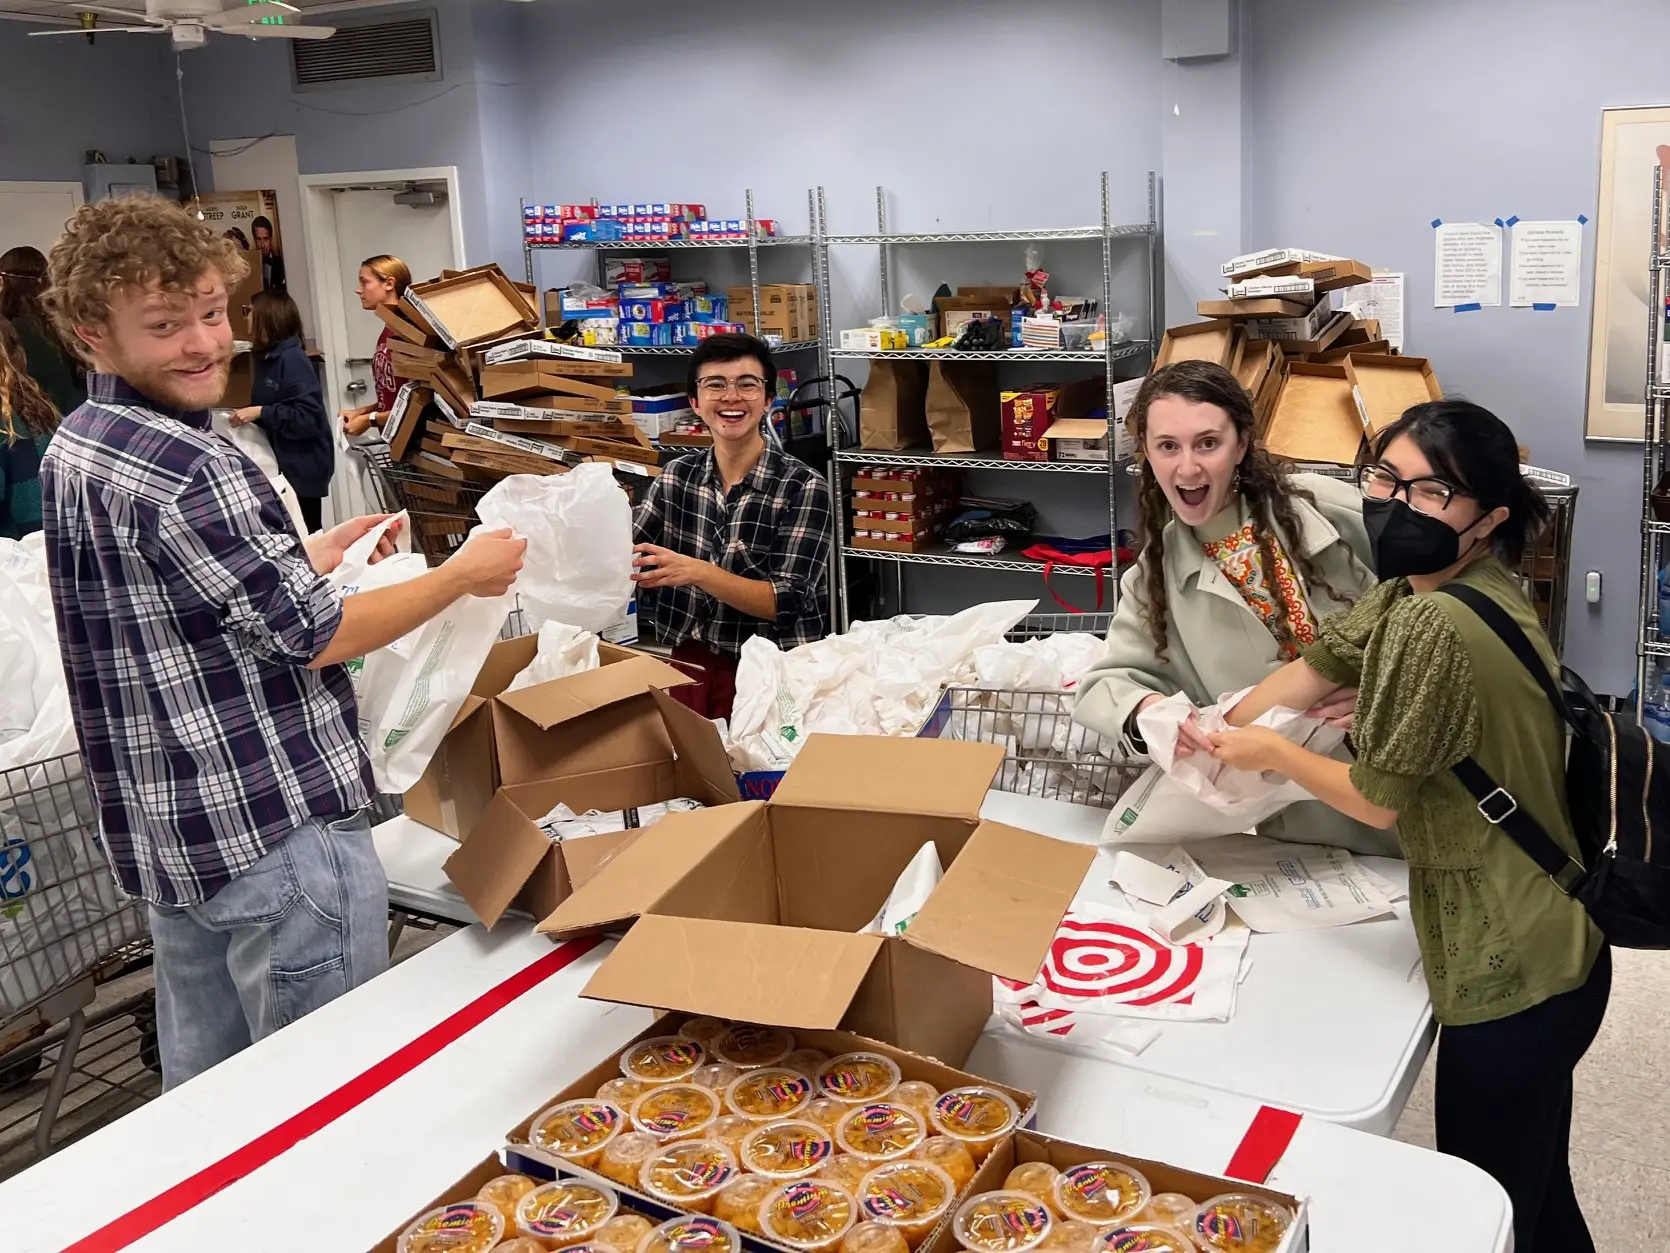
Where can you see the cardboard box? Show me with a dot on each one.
(1027, 416)
(473, 307)
(1315, 417)
(1304, 325)
(1331, 332)
(1034, 1146)
(1383, 387)
(1254, 307)
(1078, 439)
(1269, 261)
(1260, 372)
(522, 1155)
(1198, 341)
(406, 331)
(608, 739)
(461, 1189)
(515, 379)
(783, 888)
(1327, 276)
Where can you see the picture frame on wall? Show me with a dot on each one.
(1632, 143)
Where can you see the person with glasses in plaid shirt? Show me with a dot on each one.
(733, 541)
(203, 648)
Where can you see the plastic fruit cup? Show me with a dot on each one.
(806, 1061)
(951, 1156)
(1144, 1238)
(911, 1197)
(748, 1047)
(504, 1192)
(1069, 1235)
(715, 1075)
(846, 1170)
(977, 1116)
(522, 1244)
(466, 1227)
(565, 1212)
(827, 1112)
(623, 1092)
(739, 1204)
(791, 1148)
(1038, 1178)
(662, 1059)
(881, 1132)
(692, 1233)
(703, 1031)
(874, 1238)
(688, 1175)
(733, 1129)
(578, 1130)
(1002, 1222)
(625, 1155)
(676, 1111)
(1240, 1221)
(808, 1214)
(858, 1078)
(1169, 1209)
(622, 1232)
(918, 1095)
(1103, 1194)
(769, 1093)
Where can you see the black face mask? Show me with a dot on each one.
(1406, 541)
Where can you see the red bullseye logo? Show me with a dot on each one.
(1111, 962)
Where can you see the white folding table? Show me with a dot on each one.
(306, 1134)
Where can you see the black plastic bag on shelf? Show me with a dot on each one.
(979, 518)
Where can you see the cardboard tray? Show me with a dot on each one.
(1254, 307)
(1198, 341)
(1315, 417)
(473, 307)
(406, 331)
(464, 1188)
(1383, 387)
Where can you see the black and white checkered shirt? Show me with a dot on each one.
(774, 526)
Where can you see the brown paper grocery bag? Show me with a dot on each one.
(964, 411)
(891, 416)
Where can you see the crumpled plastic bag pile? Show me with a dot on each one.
(561, 650)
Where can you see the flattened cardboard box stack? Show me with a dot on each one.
(1321, 380)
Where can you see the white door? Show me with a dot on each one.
(369, 223)
(33, 214)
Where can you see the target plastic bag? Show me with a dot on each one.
(578, 567)
(562, 650)
(1198, 797)
(910, 892)
(409, 692)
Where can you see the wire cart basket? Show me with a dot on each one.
(442, 510)
(64, 924)
(1046, 754)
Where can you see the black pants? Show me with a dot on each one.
(313, 512)
(1504, 1104)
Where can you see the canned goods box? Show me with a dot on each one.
(752, 912)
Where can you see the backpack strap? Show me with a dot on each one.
(1494, 802)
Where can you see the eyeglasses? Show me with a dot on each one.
(1425, 495)
(748, 386)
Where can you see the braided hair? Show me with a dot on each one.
(1265, 486)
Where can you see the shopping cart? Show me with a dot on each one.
(1046, 753)
(65, 926)
(442, 510)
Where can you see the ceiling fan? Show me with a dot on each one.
(187, 23)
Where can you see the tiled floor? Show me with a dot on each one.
(1620, 1155)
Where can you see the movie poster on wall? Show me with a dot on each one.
(250, 220)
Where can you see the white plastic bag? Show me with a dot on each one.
(252, 441)
(562, 823)
(409, 692)
(910, 892)
(578, 567)
(562, 650)
(1198, 797)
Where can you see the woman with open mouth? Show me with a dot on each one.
(1240, 561)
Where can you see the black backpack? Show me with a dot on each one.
(1618, 788)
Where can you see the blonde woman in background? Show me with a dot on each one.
(383, 280)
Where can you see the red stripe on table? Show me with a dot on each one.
(142, 1220)
(1263, 1145)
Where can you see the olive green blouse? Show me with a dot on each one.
(1436, 686)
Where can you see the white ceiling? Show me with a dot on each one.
(64, 10)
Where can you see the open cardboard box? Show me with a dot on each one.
(523, 1156)
(753, 912)
(1383, 387)
(1033, 1146)
(607, 739)
(473, 307)
(1315, 417)
(1198, 341)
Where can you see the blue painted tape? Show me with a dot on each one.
(1543, 308)
(1582, 221)
(1472, 308)
(1513, 219)
(1499, 222)
(1437, 222)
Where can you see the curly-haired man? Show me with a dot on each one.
(203, 648)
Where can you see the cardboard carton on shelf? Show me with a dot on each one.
(920, 542)
(1026, 417)
(1383, 387)
(1078, 439)
(752, 912)
(1315, 417)
(1197, 341)
(1033, 1146)
(608, 739)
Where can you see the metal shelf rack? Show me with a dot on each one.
(684, 350)
(752, 245)
(1650, 637)
(842, 459)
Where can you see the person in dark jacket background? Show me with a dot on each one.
(289, 404)
(48, 360)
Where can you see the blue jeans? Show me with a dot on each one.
(295, 931)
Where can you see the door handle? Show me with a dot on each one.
(356, 387)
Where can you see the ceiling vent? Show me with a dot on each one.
(381, 49)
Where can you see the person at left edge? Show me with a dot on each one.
(203, 649)
(289, 403)
(732, 541)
